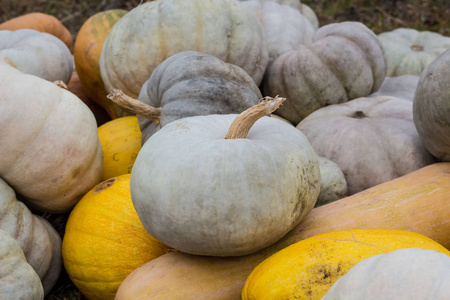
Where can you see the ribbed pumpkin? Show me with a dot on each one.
(41, 22)
(104, 240)
(36, 53)
(121, 142)
(409, 51)
(156, 30)
(18, 280)
(431, 107)
(410, 273)
(38, 240)
(50, 152)
(86, 54)
(373, 140)
(344, 61)
(307, 269)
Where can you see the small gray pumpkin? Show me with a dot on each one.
(18, 280)
(431, 107)
(343, 62)
(403, 86)
(333, 185)
(191, 83)
(373, 140)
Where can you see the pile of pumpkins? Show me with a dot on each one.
(224, 149)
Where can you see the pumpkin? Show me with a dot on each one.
(224, 185)
(431, 107)
(38, 240)
(50, 154)
(401, 274)
(284, 27)
(121, 143)
(333, 185)
(373, 140)
(36, 53)
(41, 22)
(304, 9)
(86, 54)
(307, 269)
(412, 202)
(18, 280)
(409, 51)
(104, 240)
(155, 30)
(344, 61)
(188, 84)
(403, 86)
(74, 85)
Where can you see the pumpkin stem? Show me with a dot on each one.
(135, 106)
(61, 84)
(240, 127)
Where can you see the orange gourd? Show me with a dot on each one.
(87, 49)
(40, 22)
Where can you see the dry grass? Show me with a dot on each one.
(380, 16)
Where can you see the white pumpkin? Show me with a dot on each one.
(50, 152)
(403, 274)
(36, 53)
(409, 51)
(403, 86)
(202, 190)
(18, 280)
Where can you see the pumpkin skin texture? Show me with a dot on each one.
(86, 54)
(376, 138)
(38, 240)
(41, 22)
(409, 51)
(121, 143)
(36, 53)
(18, 280)
(333, 185)
(412, 202)
(403, 86)
(307, 269)
(222, 28)
(402, 274)
(284, 27)
(431, 107)
(344, 61)
(235, 196)
(104, 240)
(191, 83)
(50, 155)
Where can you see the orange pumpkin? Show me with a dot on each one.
(40, 22)
(87, 50)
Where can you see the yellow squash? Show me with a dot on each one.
(104, 240)
(121, 142)
(307, 269)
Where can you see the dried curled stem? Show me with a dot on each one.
(135, 106)
(240, 127)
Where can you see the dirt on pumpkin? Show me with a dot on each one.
(380, 16)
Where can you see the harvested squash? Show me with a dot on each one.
(104, 240)
(308, 269)
(416, 202)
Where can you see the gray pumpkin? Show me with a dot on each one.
(192, 83)
(431, 107)
(333, 185)
(373, 140)
(403, 86)
(38, 240)
(344, 61)
(18, 280)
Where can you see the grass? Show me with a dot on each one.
(380, 16)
